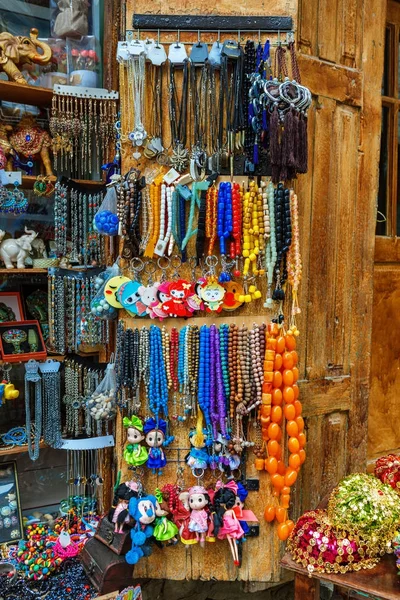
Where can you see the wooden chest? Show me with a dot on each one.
(106, 570)
(119, 543)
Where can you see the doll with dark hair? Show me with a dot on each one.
(226, 524)
(119, 514)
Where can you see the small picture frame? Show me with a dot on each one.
(11, 523)
(11, 308)
(21, 341)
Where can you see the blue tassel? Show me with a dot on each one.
(255, 154)
(264, 120)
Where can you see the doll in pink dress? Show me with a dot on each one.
(197, 499)
(226, 523)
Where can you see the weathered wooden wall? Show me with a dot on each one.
(383, 422)
(341, 62)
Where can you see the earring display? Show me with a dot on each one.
(82, 125)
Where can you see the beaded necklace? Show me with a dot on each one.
(158, 386)
(224, 216)
(270, 250)
(283, 238)
(294, 265)
(203, 389)
(211, 217)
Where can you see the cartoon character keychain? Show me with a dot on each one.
(148, 293)
(212, 293)
(179, 291)
(111, 290)
(128, 293)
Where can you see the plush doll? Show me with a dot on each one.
(155, 438)
(179, 509)
(164, 530)
(119, 512)
(198, 457)
(226, 523)
(179, 292)
(197, 499)
(134, 454)
(143, 510)
(244, 515)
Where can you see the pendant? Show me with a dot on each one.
(180, 158)
(138, 136)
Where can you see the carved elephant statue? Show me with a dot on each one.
(18, 50)
(17, 250)
(31, 141)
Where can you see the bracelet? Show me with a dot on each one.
(15, 437)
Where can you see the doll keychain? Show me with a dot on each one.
(134, 454)
(156, 439)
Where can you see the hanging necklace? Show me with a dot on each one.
(32, 377)
(179, 158)
(136, 80)
(51, 403)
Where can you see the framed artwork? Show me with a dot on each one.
(11, 308)
(11, 524)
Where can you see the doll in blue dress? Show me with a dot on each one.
(155, 432)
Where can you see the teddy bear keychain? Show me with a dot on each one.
(134, 454)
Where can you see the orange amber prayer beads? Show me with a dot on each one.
(281, 410)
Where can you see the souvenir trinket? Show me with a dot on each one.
(134, 454)
(143, 511)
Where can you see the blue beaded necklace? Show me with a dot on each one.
(158, 384)
(224, 215)
(203, 384)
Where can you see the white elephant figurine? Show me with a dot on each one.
(17, 250)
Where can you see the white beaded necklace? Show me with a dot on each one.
(165, 207)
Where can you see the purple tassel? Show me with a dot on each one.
(303, 145)
(274, 144)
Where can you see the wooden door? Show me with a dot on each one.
(341, 45)
(384, 424)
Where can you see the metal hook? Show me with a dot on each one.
(198, 37)
(219, 37)
(238, 36)
(158, 38)
(178, 39)
(279, 38)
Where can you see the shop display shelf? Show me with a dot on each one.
(4, 451)
(29, 180)
(25, 94)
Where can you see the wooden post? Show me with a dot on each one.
(306, 588)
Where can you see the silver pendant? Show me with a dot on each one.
(180, 158)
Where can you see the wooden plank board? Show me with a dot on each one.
(333, 81)
(364, 233)
(383, 422)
